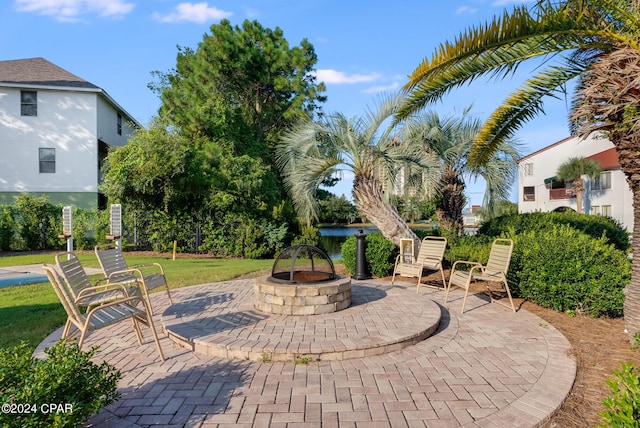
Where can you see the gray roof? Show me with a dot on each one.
(39, 71)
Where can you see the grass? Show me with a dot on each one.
(31, 312)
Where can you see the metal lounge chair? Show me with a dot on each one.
(103, 315)
(494, 271)
(150, 276)
(429, 257)
(84, 292)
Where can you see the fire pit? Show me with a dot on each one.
(303, 281)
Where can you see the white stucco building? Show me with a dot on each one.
(539, 190)
(55, 130)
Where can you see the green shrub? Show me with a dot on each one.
(7, 228)
(380, 254)
(471, 248)
(593, 225)
(623, 407)
(567, 270)
(68, 378)
(348, 251)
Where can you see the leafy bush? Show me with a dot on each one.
(7, 228)
(380, 254)
(38, 223)
(623, 407)
(67, 378)
(592, 225)
(567, 270)
(472, 248)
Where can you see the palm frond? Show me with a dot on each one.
(521, 106)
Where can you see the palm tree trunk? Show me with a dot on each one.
(370, 200)
(579, 201)
(626, 147)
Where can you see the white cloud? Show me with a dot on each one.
(71, 10)
(465, 9)
(338, 77)
(193, 12)
(506, 2)
(382, 88)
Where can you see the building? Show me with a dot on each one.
(539, 190)
(55, 131)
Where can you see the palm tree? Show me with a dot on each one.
(451, 140)
(573, 169)
(315, 151)
(596, 42)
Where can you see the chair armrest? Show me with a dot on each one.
(127, 300)
(158, 265)
(465, 262)
(101, 289)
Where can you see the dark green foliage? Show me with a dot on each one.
(66, 377)
(380, 254)
(37, 222)
(7, 228)
(471, 248)
(567, 270)
(337, 210)
(592, 225)
(348, 250)
(622, 408)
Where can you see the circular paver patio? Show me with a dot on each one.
(487, 367)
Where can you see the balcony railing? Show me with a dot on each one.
(562, 193)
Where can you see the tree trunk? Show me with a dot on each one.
(451, 202)
(370, 200)
(627, 148)
(579, 201)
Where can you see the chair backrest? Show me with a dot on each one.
(63, 294)
(432, 247)
(110, 259)
(500, 256)
(73, 273)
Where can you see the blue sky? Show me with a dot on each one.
(364, 48)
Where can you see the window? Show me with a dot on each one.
(528, 169)
(595, 210)
(47, 161)
(119, 124)
(28, 103)
(606, 210)
(529, 193)
(603, 182)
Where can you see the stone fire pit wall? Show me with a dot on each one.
(302, 298)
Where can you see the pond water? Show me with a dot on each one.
(331, 238)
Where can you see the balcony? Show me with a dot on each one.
(562, 193)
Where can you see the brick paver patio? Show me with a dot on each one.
(487, 367)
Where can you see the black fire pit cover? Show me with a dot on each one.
(303, 263)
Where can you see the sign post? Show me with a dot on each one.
(67, 227)
(115, 225)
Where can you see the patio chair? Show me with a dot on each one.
(494, 271)
(149, 276)
(429, 257)
(84, 292)
(103, 315)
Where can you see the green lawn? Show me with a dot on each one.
(31, 312)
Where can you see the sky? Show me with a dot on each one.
(365, 48)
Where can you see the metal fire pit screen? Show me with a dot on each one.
(303, 263)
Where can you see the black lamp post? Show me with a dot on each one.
(361, 260)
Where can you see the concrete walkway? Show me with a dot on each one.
(487, 367)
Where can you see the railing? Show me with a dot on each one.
(563, 193)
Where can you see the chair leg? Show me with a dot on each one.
(464, 301)
(419, 283)
(444, 284)
(136, 327)
(446, 292)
